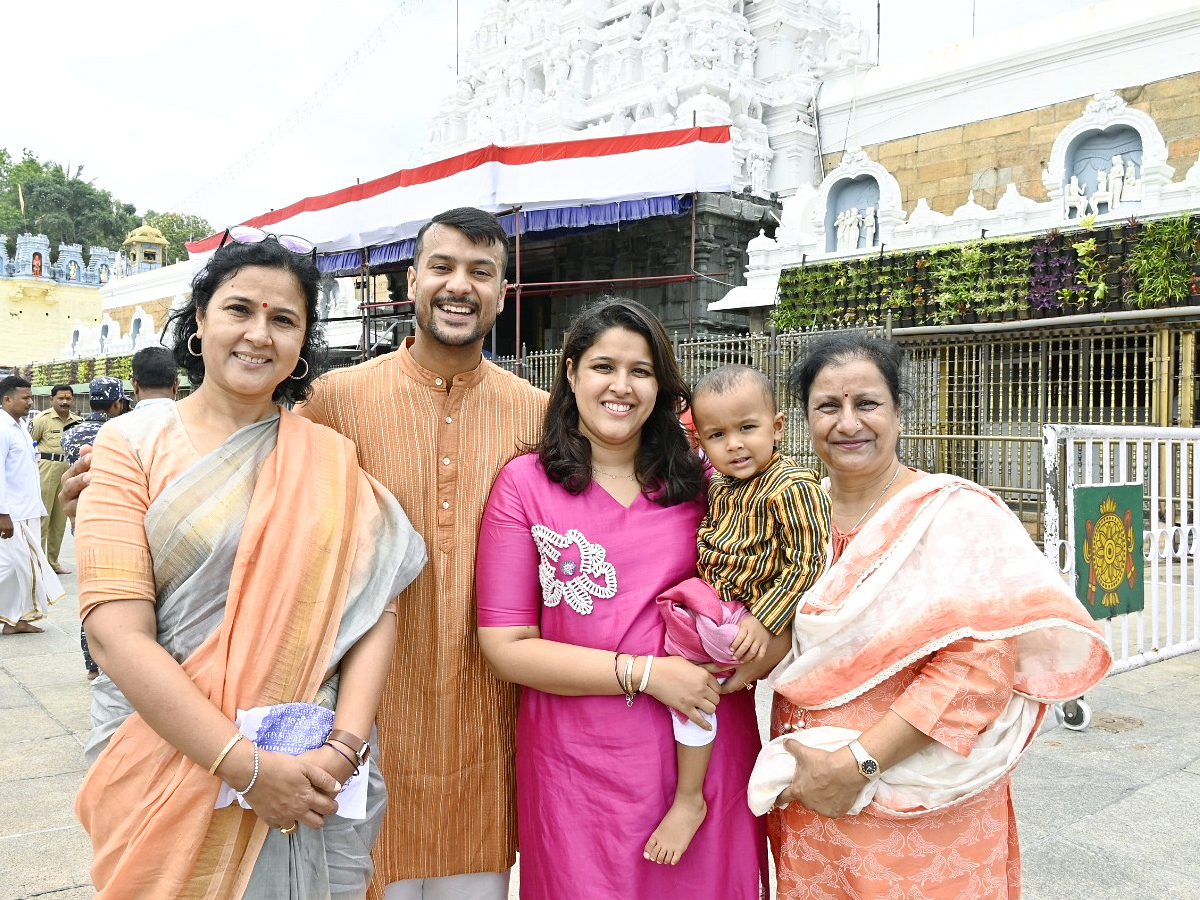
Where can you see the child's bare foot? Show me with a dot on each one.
(675, 832)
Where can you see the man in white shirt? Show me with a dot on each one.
(28, 584)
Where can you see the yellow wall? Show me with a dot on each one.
(943, 166)
(36, 317)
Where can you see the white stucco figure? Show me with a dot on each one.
(1115, 179)
(1074, 198)
(839, 225)
(1131, 188)
(869, 227)
(854, 222)
(1103, 194)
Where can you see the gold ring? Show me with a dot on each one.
(290, 828)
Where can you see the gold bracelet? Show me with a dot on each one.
(212, 770)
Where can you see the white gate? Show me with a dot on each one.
(1166, 461)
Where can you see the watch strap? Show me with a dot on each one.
(359, 747)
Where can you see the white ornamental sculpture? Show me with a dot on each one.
(544, 70)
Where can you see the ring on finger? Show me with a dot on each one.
(290, 828)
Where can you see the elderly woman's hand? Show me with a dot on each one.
(827, 783)
(292, 789)
(684, 686)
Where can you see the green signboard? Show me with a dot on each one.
(1109, 521)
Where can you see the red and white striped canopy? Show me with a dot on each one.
(535, 177)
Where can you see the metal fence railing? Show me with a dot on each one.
(976, 398)
(1166, 463)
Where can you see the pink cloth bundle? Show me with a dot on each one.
(700, 625)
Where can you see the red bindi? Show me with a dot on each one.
(844, 395)
(264, 306)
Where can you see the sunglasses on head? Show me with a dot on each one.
(248, 234)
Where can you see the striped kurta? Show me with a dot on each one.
(764, 539)
(445, 723)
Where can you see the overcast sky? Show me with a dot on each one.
(228, 110)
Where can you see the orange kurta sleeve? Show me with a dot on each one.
(962, 689)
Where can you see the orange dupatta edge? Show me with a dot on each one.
(149, 808)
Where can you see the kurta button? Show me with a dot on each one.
(437, 381)
(449, 420)
(445, 504)
(445, 460)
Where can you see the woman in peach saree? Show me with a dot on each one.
(238, 576)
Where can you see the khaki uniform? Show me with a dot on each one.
(47, 430)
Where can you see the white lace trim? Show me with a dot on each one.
(596, 577)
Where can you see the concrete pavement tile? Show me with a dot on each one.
(13, 696)
(16, 646)
(1154, 827)
(64, 666)
(1054, 793)
(30, 722)
(46, 864)
(39, 803)
(1061, 869)
(69, 703)
(28, 759)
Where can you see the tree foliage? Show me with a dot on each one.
(178, 228)
(68, 208)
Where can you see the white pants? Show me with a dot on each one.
(27, 583)
(689, 733)
(473, 886)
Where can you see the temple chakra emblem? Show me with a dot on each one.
(1108, 565)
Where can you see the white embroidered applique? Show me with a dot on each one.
(566, 579)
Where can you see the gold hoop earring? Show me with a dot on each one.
(189, 345)
(305, 375)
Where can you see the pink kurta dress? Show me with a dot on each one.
(595, 776)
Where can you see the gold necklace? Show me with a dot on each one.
(614, 477)
(895, 475)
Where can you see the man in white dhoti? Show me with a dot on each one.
(28, 584)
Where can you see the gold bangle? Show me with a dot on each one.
(212, 770)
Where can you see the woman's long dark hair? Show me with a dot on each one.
(668, 470)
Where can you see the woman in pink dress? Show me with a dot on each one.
(577, 541)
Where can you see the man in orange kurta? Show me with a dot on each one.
(434, 422)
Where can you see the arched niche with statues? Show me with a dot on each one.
(1110, 160)
(857, 205)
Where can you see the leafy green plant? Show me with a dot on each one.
(1161, 263)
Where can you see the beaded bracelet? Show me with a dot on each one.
(242, 794)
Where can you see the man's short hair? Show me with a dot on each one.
(154, 367)
(62, 387)
(480, 228)
(11, 384)
(727, 378)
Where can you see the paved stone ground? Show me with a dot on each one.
(1111, 813)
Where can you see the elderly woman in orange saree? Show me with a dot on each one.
(238, 575)
(921, 664)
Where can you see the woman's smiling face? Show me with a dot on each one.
(615, 389)
(853, 418)
(252, 331)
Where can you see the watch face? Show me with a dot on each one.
(869, 767)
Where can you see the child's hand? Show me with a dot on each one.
(751, 641)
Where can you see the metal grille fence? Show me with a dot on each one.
(977, 396)
(1166, 462)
